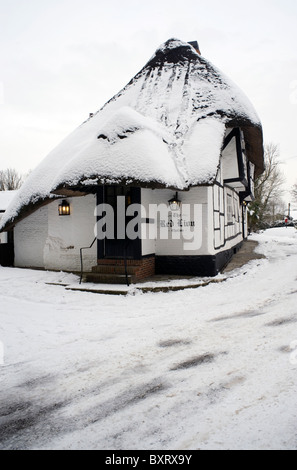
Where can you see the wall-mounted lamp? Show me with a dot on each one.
(174, 203)
(64, 208)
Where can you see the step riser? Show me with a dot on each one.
(112, 271)
(118, 262)
(105, 269)
(109, 279)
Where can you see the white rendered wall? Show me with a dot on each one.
(196, 240)
(67, 234)
(229, 163)
(29, 239)
(46, 240)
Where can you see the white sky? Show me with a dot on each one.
(62, 59)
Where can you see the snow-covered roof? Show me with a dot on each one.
(5, 199)
(164, 129)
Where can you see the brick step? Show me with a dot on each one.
(99, 278)
(119, 262)
(114, 269)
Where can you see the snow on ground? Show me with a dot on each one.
(207, 368)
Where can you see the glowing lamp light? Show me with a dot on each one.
(174, 203)
(64, 208)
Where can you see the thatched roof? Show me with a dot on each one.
(5, 199)
(164, 129)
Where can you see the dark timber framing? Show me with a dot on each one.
(248, 192)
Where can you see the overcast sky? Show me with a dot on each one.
(62, 59)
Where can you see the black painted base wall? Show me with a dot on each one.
(209, 265)
(6, 254)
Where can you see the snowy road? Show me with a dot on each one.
(207, 368)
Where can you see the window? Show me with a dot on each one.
(229, 209)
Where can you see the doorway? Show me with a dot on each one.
(120, 246)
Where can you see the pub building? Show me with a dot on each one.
(180, 142)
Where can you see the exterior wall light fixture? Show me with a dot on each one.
(64, 208)
(174, 203)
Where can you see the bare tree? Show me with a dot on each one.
(2, 181)
(268, 189)
(10, 179)
(294, 192)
